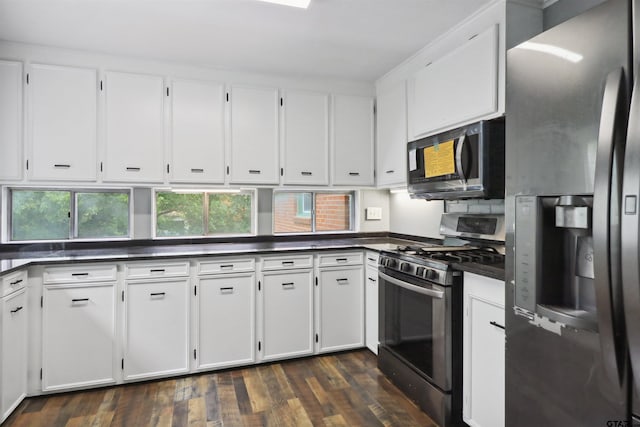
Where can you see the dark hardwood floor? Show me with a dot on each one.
(344, 389)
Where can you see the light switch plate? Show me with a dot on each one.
(373, 214)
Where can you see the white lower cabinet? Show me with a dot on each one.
(340, 308)
(483, 351)
(156, 328)
(13, 374)
(287, 314)
(226, 321)
(371, 302)
(79, 335)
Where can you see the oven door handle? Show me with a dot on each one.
(424, 291)
(460, 167)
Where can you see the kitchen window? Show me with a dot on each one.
(193, 213)
(309, 212)
(45, 214)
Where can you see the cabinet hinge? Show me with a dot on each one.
(259, 346)
(281, 102)
(259, 285)
(374, 109)
(41, 301)
(316, 280)
(41, 373)
(100, 166)
(194, 354)
(227, 96)
(69, 214)
(167, 91)
(227, 170)
(27, 164)
(100, 85)
(122, 296)
(281, 171)
(195, 291)
(27, 78)
(167, 167)
(122, 364)
(316, 337)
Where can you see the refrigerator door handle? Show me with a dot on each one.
(606, 233)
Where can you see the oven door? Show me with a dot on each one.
(415, 324)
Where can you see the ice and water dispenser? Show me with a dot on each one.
(554, 259)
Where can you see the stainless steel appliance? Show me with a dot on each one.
(572, 185)
(420, 318)
(463, 163)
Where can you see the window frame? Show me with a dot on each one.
(205, 211)
(313, 192)
(7, 225)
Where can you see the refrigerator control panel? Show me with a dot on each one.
(526, 257)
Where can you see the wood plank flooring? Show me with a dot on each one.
(343, 389)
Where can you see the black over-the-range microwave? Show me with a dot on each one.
(462, 163)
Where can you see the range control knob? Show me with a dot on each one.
(420, 271)
(431, 274)
(391, 263)
(405, 267)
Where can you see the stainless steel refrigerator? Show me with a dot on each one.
(572, 193)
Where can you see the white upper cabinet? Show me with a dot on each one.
(392, 136)
(62, 122)
(197, 132)
(254, 135)
(458, 87)
(352, 140)
(305, 128)
(10, 120)
(134, 128)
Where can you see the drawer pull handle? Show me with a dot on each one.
(15, 310)
(341, 260)
(62, 166)
(390, 171)
(133, 169)
(15, 282)
(372, 259)
(354, 173)
(371, 279)
(80, 300)
(287, 263)
(228, 289)
(306, 173)
(342, 281)
(157, 294)
(197, 170)
(254, 171)
(497, 325)
(79, 274)
(157, 270)
(288, 285)
(227, 266)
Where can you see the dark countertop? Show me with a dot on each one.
(495, 271)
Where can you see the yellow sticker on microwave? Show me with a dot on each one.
(439, 160)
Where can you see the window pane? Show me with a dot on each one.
(101, 215)
(230, 213)
(333, 212)
(179, 214)
(289, 213)
(40, 215)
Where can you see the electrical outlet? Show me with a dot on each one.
(373, 214)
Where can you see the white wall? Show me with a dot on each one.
(415, 216)
(376, 199)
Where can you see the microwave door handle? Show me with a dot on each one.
(459, 151)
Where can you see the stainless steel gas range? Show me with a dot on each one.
(420, 327)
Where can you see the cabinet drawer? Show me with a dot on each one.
(13, 282)
(332, 260)
(80, 273)
(372, 259)
(165, 269)
(294, 261)
(226, 265)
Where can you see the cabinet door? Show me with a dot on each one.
(483, 354)
(287, 315)
(134, 128)
(352, 140)
(78, 342)
(156, 328)
(197, 132)
(14, 351)
(341, 309)
(10, 120)
(62, 122)
(460, 87)
(306, 138)
(254, 135)
(226, 307)
(371, 309)
(392, 136)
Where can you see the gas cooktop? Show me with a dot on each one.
(483, 255)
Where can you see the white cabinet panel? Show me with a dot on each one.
(352, 140)
(459, 87)
(226, 333)
(197, 132)
(78, 327)
(10, 120)
(306, 138)
(254, 135)
(287, 314)
(341, 309)
(391, 120)
(371, 308)
(134, 128)
(156, 328)
(62, 122)
(483, 352)
(13, 374)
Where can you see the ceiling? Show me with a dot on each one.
(345, 39)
